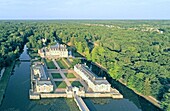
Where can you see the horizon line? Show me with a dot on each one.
(80, 19)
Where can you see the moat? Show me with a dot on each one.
(17, 98)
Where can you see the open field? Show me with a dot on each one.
(76, 83)
(56, 75)
(60, 84)
(62, 64)
(70, 75)
(50, 64)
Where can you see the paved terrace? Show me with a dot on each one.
(60, 92)
(62, 74)
(64, 78)
(82, 106)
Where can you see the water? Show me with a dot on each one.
(130, 102)
(110, 104)
(17, 98)
(24, 55)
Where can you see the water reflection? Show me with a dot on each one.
(17, 99)
(131, 101)
(17, 96)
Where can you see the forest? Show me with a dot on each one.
(136, 53)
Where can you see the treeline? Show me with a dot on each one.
(12, 38)
(135, 56)
(140, 59)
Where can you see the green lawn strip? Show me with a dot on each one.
(62, 64)
(4, 80)
(76, 83)
(56, 75)
(60, 84)
(69, 75)
(50, 64)
(66, 62)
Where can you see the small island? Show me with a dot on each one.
(54, 83)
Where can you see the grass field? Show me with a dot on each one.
(56, 75)
(60, 84)
(66, 62)
(76, 83)
(49, 64)
(61, 64)
(69, 75)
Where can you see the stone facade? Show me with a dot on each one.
(97, 84)
(72, 91)
(44, 86)
(54, 52)
(40, 80)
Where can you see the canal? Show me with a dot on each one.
(16, 97)
(130, 102)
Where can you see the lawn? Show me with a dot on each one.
(62, 64)
(49, 64)
(69, 75)
(56, 75)
(66, 62)
(60, 84)
(76, 83)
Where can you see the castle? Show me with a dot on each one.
(40, 80)
(97, 84)
(54, 52)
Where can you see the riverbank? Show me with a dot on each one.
(2, 72)
(149, 98)
(5, 79)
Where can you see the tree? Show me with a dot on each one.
(87, 53)
(147, 87)
(166, 101)
(114, 71)
(79, 47)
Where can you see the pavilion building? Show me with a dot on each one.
(40, 78)
(97, 84)
(54, 52)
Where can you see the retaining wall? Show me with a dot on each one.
(53, 95)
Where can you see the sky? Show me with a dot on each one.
(84, 9)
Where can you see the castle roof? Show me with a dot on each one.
(58, 46)
(39, 69)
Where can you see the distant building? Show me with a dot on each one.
(97, 84)
(54, 52)
(40, 78)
